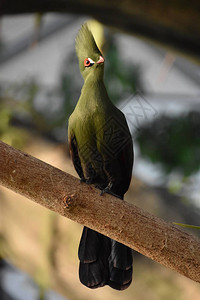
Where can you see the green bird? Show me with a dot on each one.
(101, 149)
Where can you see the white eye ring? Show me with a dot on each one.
(88, 62)
(92, 62)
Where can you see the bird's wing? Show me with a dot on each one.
(118, 164)
(73, 149)
(119, 170)
(126, 158)
(125, 155)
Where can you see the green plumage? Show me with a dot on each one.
(101, 150)
(86, 46)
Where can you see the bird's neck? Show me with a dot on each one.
(94, 93)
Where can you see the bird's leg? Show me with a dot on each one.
(88, 180)
(106, 189)
(82, 179)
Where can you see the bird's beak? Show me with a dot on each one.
(101, 60)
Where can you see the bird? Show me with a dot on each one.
(101, 149)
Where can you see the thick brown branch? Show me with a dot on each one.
(117, 219)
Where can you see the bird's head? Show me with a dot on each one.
(91, 61)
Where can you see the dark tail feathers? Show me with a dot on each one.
(104, 261)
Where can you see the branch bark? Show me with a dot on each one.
(126, 223)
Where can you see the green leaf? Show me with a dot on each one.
(187, 225)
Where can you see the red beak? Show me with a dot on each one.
(101, 60)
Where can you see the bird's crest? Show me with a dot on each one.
(85, 45)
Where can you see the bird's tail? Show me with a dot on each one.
(104, 261)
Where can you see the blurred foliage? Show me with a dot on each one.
(3, 246)
(122, 79)
(30, 106)
(8, 133)
(70, 83)
(173, 141)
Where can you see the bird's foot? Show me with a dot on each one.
(88, 180)
(82, 179)
(107, 189)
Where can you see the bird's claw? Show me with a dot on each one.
(87, 180)
(106, 189)
(82, 180)
(103, 192)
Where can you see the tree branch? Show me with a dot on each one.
(117, 219)
(172, 22)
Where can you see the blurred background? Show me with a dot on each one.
(152, 74)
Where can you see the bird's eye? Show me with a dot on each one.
(88, 62)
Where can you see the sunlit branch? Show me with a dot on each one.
(126, 223)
